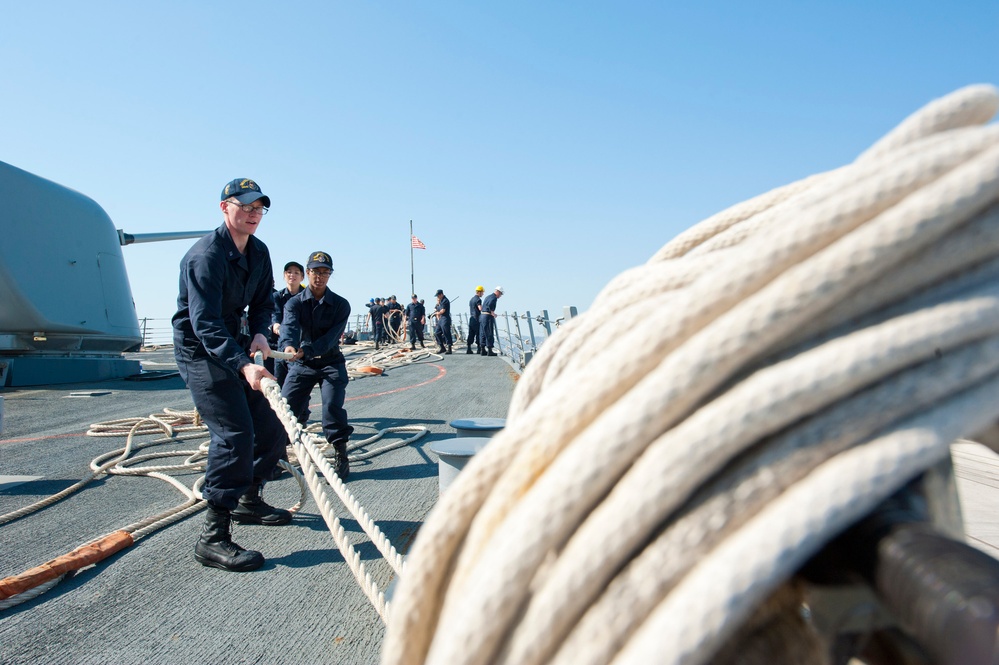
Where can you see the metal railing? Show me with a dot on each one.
(156, 332)
(518, 335)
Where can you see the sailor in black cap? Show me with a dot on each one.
(314, 321)
(220, 276)
(442, 331)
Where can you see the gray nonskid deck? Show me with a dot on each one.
(153, 602)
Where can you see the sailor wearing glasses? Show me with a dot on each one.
(224, 273)
(314, 321)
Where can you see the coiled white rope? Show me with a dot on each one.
(807, 352)
(386, 359)
(397, 332)
(176, 426)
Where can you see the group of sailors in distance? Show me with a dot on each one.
(390, 321)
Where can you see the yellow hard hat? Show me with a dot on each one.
(479, 288)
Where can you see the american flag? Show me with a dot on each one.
(417, 243)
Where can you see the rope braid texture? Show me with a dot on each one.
(310, 451)
(808, 352)
(385, 360)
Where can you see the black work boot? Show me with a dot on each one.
(216, 549)
(441, 350)
(339, 459)
(468, 351)
(253, 510)
(490, 352)
(412, 347)
(422, 345)
(450, 350)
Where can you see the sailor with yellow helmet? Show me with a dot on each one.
(474, 310)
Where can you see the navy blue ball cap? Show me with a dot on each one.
(320, 260)
(245, 191)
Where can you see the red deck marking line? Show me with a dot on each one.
(440, 375)
(41, 438)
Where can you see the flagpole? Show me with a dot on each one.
(412, 282)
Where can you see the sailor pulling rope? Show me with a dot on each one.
(309, 451)
(807, 354)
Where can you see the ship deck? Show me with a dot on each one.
(152, 602)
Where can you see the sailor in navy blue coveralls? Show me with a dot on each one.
(416, 315)
(487, 322)
(474, 310)
(224, 273)
(442, 331)
(376, 314)
(294, 273)
(394, 320)
(314, 321)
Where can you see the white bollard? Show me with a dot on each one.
(485, 427)
(453, 455)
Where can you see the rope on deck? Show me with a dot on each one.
(310, 453)
(803, 356)
(386, 359)
(181, 425)
(177, 426)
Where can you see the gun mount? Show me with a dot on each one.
(66, 308)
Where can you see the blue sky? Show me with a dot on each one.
(544, 146)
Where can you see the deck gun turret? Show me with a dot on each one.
(66, 308)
